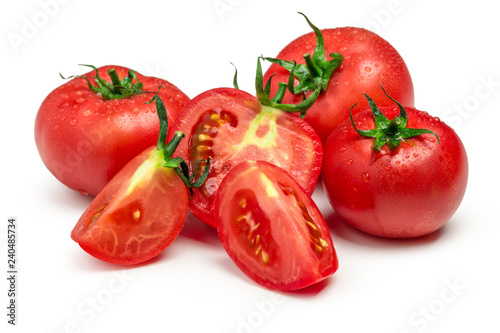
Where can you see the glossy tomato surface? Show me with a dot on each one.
(85, 140)
(408, 192)
(137, 215)
(369, 61)
(272, 229)
(231, 126)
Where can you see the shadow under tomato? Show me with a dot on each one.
(89, 263)
(60, 195)
(342, 229)
(199, 231)
(309, 291)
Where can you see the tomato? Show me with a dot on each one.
(409, 186)
(272, 229)
(142, 209)
(130, 221)
(368, 61)
(232, 126)
(85, 139)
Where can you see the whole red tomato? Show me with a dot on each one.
(231, 126)
(368, 61)
(272, 229)
(396, 178)
(86, 135)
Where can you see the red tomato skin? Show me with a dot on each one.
(369, 61)
(85, 140)
(409, 192)
(293, 263)
(109, 229)
(296, 141)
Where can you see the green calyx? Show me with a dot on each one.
(177, 163)
(116, 89)
(264, 93)
(390, 132)
(317, 71)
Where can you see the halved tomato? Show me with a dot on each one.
(272, 229)
(231, 126)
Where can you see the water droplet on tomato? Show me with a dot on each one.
(349, 162)
(368, 69)
(80, 100)
(73, 121)
(342, 149)
(366, 177)
(404, 167)
(57, 127)
(87, 113)
(415, 154)
(211, 186)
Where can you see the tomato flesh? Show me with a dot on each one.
(231, 126)
(408, 192)
(137, 215)
(272, 229)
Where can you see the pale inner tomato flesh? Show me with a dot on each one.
(252, 226)
(317, 242)
(255, 139)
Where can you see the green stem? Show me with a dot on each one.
(177, 163)
(390, 132)
(174, 143)
(313, 69)
(318, 70)
(117, 89)
(115, 80)
(280, 94)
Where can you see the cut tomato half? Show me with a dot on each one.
(231, 126)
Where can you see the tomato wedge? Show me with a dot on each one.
(132, 220)
(272, 229)
(232, 126)
(143, 208)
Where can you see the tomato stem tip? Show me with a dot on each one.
(116, 89)
(390, 132)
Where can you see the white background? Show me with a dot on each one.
(446, 282)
